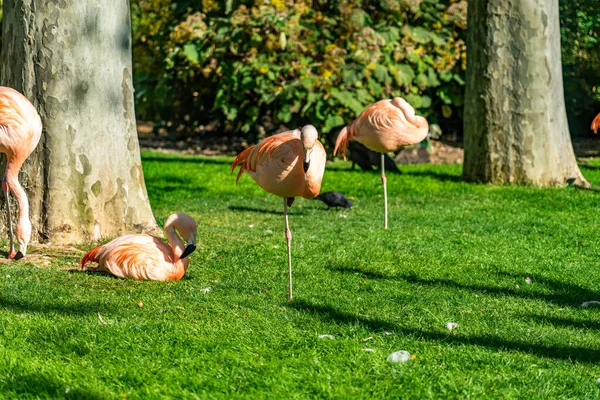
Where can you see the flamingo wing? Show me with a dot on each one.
(140, 257)
(265, 152)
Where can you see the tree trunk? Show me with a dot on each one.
(515, 120)
(72, 59)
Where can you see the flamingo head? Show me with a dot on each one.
(309, 137)
(188, 229)
(23, 237)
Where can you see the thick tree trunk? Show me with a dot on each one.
(515, 120)
(72, 59)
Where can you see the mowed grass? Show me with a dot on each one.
(455, 252)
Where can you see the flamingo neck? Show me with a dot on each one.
(175, 241)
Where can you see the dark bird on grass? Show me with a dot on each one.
(362, 156)
(334, 199)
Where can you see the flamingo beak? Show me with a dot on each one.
(190, 248)
(307, 159)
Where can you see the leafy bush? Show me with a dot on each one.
(580, 30)
(251, 64)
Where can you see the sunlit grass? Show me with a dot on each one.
(455, 252)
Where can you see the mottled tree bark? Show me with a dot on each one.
(515, 120)
(72, 59)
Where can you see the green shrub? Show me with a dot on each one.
(284, 63)
(580, 30)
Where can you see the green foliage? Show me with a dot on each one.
(292, 61)
(580, 31)
(455, 252)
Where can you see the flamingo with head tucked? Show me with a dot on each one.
(596, 124)
(20, 132)
(288, 164)
(384, 127)
(145, 257)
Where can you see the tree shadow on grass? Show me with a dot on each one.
(197, 161)
(48, 307)
(561, 322)
(331, 314)
(440, 176)
(39, 385)
(562, 293)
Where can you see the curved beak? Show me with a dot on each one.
(307, 153)
(190, 248)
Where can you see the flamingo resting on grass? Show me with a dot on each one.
(383, 127)
(145, 257)
(20, 132)
(596, 124)
(288, 164)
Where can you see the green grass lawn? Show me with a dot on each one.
(455, 252)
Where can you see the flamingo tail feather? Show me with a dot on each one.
(341, 143)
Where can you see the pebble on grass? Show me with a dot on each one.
(399, 356)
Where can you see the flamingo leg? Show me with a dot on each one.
(384, 181)
(6, 191)
(288, 238)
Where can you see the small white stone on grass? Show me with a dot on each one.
(205, 290)
(386, 333)
(591, 303)
(268, 231)
(399, 356)
(598, 380)
(326, 336)
(451, 325)
(250, 226)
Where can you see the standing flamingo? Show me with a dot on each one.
(145, 257)
(596, 123)
(20, 132)
(288, 164)
(383, 127)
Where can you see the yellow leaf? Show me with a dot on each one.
(446, 111)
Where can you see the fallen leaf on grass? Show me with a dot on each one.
(591, 303)
(326, 336)
(140, 304)
(451, 325)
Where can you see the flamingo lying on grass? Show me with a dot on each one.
(145, 257)
(383, 127)
(288, 164)
(20, 132)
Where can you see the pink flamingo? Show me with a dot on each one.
(145, 257)
(288, 164)
(383, 127)
(20, 132)
(596, 124)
